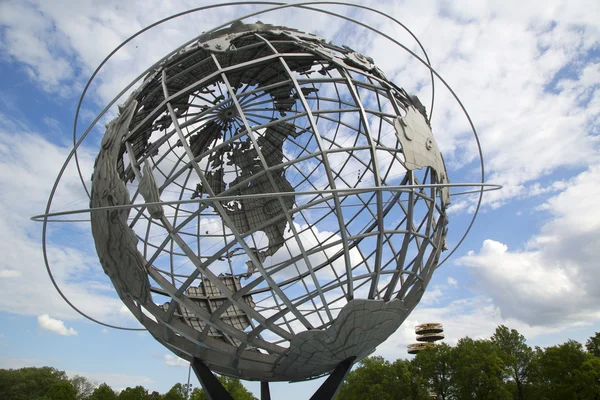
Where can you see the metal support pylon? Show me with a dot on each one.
(216, 391)
(211, 385)
(265, 392)
(332, 384)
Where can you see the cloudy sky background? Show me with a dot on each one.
(527, 72)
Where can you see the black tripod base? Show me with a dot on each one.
(215, 390)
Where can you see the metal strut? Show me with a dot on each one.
(332, 384)
(215, 391)
(212, 387)
(265, 392)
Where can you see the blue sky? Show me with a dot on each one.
(528, 74)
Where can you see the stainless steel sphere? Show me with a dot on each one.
(289, 203)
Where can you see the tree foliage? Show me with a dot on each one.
(566, 372)
(478, 371)
(376, 378)
(372, 379)
(501, 368)
(103, 392)
(155, 396)
(593, 345)
(29, 383)
(83, 387)
(435, 367)
(135, 393)
(517, 356)
(62, 390)
(177, 392)
(233, 385)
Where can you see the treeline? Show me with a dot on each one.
(503, 367)
(51, 384)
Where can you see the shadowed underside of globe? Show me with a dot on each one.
(286, 227)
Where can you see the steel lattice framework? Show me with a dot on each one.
(268, 203)
(303, 152)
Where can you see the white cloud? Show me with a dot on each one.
(476, 317)
(433, 295)
(59, 43)
(529, 83)
(501, 62)
(173, 361)
(55, 326)
(26, 39)
(28, 167)
(9, 273)
(556, 275)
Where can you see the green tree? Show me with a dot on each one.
(155, 396)
(83, 386)
(434, 367)
(517, 356)
(136, 393)
(478, 371)
(233, 385)
(593, 345)
(177, 392)
(376, 378)
(557, 371)
(411, 384)
(62, 390)
(103, 392)
(28, 383)
(197, 393)
(588, 378)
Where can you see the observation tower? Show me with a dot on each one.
(427, 336)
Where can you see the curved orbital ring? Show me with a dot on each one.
(276, 6)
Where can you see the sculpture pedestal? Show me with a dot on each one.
(215, 390)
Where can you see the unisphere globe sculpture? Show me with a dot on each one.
(294, 203)
(268, 205)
